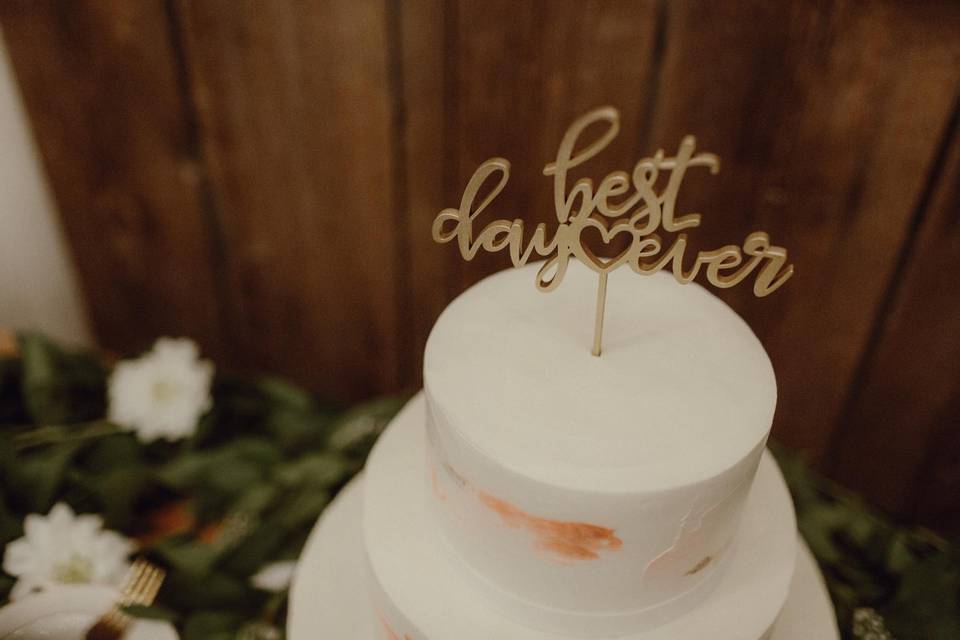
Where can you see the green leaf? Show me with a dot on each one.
(356, 430)
(212, 625)
(43, 386)
(36, 476)
(59, 386)
(184, 471)
(188, 556)
(927, 604)
(12, 409)
(279, 392)
(11, 526)
(113, 452)
(214, 590)
(118, 492)
(6, 584)
(253, 502)
(256, 549)
(320, 470)
(222, 473)
(303, 509)
(296, 429)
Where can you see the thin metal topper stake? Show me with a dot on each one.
(601, 304)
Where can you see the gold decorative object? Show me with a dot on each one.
(624, 203)
(140, 587)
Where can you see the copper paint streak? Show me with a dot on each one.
(437, 489)
(570, 541)
(391, 634)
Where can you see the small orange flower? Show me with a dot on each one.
(172, 519)
(8, 344)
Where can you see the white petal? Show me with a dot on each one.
(18, 557)
(274, 577)
(24, 588)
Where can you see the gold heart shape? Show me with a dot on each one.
(606, 264)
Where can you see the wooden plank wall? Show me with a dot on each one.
(262, 176)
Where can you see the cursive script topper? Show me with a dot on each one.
(627, 204)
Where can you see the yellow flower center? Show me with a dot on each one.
(77, 569)
(163, 390)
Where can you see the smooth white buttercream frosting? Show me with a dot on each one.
(682, 391)
(603, 487)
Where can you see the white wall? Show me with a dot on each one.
(38, 286)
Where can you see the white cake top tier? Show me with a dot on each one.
(682, 391)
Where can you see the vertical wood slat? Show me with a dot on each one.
(524, 72)
(295, 118)
(902, 443)
(100, 82)
(421, 49)
(826, 117)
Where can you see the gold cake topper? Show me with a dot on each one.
(623, 204)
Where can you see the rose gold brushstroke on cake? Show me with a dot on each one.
(391, 634)
(570, 541)
(563, 540)
(437, 489)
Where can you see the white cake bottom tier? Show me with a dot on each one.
(421, 590)
(329, 595)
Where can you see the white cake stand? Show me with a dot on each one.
(329, 600)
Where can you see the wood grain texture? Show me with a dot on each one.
(100, 82)
(295, 121)
(901, 442)
(826, 143)
(421, 50)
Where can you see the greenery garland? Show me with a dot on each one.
(245, 489)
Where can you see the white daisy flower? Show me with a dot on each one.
(164, 393)
(64, 548)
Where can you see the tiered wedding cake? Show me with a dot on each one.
(534, 491)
